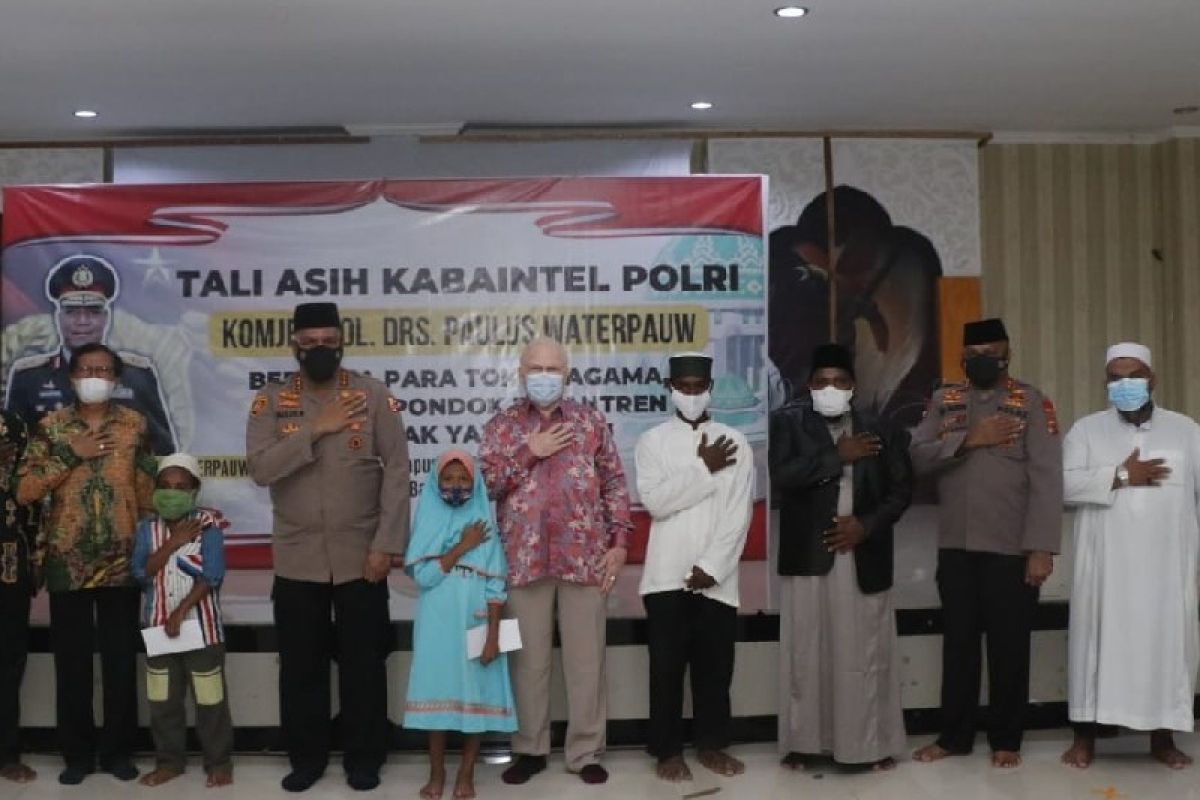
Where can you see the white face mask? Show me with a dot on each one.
(544, 388)
(690, 406)
(831, 401)
(91, 391)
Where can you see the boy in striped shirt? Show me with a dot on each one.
(179, 559)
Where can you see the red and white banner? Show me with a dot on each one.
(440, 283)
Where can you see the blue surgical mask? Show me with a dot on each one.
(544, 388)
(457, 496)
(1129, 394)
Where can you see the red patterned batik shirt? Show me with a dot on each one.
(558, 516)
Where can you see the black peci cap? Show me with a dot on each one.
(832, 356)
(983, 332)
(316, 315)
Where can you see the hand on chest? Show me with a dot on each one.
(354, 434)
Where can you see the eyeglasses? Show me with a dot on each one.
(95, 372)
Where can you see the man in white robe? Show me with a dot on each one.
(1133, 474)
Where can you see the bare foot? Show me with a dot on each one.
(437, 784)
(159, 776)
(793, 761)
(1162, 747)
(1006, 759)
(933, 752)
(17, 773)
(222, 776)
(721, 762)
(464, 785)
(673, 769)
(1081, 753)
(884, 765)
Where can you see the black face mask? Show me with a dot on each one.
(320, 363)
(984, 371)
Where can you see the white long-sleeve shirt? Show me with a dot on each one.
(699, 519)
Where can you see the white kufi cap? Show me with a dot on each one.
(1129, 350)
(184, 461)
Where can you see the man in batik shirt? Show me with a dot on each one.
(17, 586)
(563, 509)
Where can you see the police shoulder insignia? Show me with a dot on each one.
(290, 427)
(1051, 416)
(259, 405)
(289, 399)
(136, 360)
(394, 405)
(29, 362)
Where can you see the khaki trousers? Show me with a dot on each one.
(581, 627)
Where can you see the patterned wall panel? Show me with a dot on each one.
(65, 165)
(1070, 235)
(1181, 254)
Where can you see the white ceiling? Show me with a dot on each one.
(185, 65)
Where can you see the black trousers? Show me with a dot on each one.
(689, 631)
(14, 649)
(79, 621)
(318, 622)
(984, 593)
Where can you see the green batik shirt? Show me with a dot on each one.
(95, 504)
(17, 535)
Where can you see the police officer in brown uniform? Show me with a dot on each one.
(992, 445)
(331, 446)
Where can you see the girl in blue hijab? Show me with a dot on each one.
(456, 559)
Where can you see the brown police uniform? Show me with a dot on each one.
(996, 505)
(334, 500)
(337, 498)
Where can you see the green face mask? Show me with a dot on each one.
(173, 503)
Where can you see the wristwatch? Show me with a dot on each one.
(1122, 476)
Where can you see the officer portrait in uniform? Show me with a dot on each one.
(82, 289)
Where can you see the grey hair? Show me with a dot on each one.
(546, 341)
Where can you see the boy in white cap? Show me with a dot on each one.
(179, 559)
(1133, 474)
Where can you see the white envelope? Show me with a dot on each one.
(189, 638)
(510, 638)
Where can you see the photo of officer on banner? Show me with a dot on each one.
(82, 289)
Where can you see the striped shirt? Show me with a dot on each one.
(203, 558)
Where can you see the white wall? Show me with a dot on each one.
(399, 157)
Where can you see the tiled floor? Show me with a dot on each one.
(1121, 773)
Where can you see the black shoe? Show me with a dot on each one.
(122, 770)
(362, 780)
(73, 776)
(593, 774)
(301, 779)
(524, 768)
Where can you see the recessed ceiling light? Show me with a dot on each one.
(701, 105)
(1185, 110)
(791, 12)
(85, 113)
